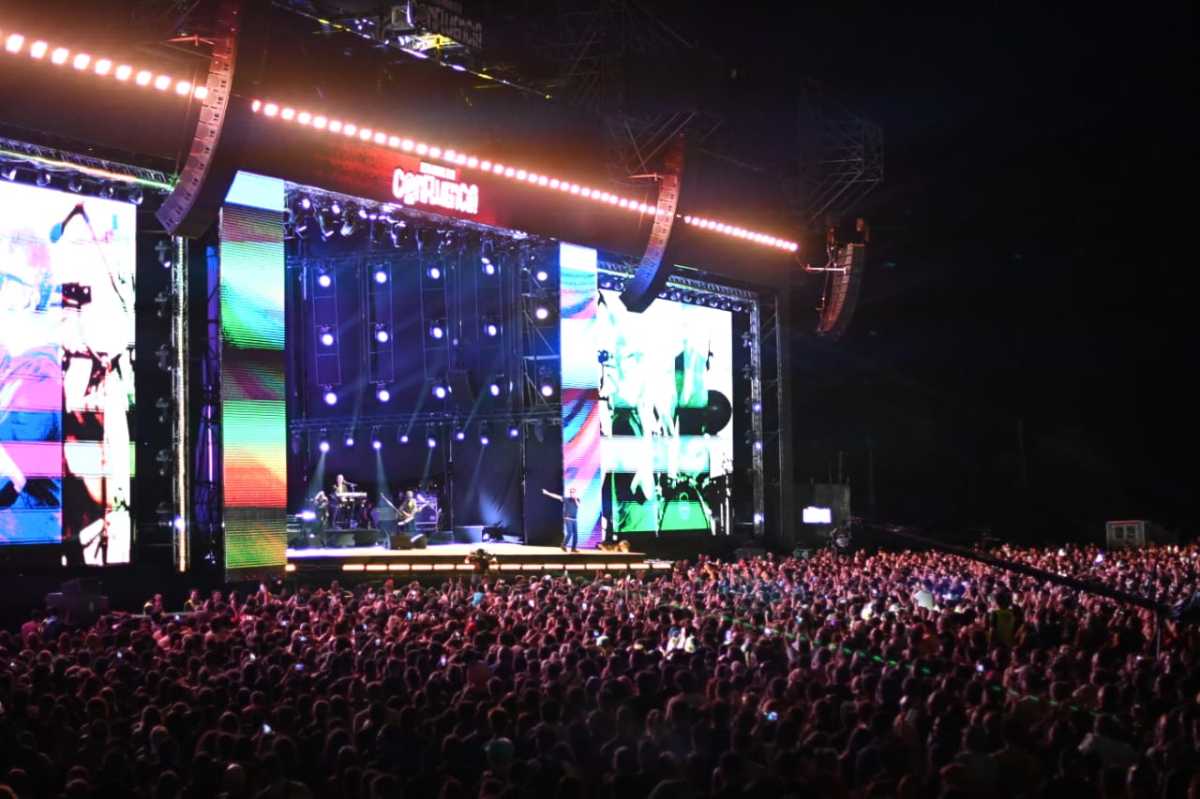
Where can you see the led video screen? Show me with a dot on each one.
(253, 377)
(67, 266)
(665, 414)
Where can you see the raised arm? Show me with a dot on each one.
(552, 496)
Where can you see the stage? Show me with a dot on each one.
(452, 558)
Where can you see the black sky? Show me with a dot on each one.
(1029, 261)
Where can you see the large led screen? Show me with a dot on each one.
(665, 413)
(66, 372)
(647, 408)
(253, 406)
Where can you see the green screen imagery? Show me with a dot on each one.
(666, 416)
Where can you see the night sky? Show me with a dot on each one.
(1026, 268)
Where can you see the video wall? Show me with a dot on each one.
(647, 410)
(253, 397)
(67, 266)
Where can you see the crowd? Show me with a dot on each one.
(874, 674)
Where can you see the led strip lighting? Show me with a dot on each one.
(369, 136)
(41, 50)
(16, 44)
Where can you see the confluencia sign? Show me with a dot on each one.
(435, 185)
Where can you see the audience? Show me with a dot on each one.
(876, 674)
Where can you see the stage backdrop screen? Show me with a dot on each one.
(67, 266)
(253, 397)
(647, 411)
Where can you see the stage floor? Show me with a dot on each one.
(453, 558)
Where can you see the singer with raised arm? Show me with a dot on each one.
(570, 517)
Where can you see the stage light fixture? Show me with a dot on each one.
(349, 442)
(396, 233)
(348, 225)
(484, 435)
(542, 275)
(487, 266)
(14, 42)
(434, 273)
(756, 407)
(547, 390)
(331, 397)
(381, 334)
(381, 276)
(460, 435)
(43, 178)
(440, 391)
(541, 313)
(324, 279)
(10, 172)
(324, 442)
(494, 389)
(490, 328)
(136, 196)
(326, 336)
(383, 395)
(376, 444)
(513, 430)
(404, 438)
(437, 330)
(431, 438)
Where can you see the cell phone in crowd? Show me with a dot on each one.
(771, 715)
(266, 728)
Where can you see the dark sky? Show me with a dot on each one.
(1027, 267)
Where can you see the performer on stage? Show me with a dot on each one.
(407, 513)
(570, 516)
(341, 486)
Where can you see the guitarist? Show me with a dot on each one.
(406, 514)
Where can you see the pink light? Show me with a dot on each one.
(103, 67)
(304, 118)
(450, 155)
(335, 126)
(543, 180)
(14, 43)
(520, 173)
(393, 142)
(462, 159)
(486, 166)
(554, 183)
(162, 83)
(287, 114)
(320, 122)
(144, 77)
(407, 145)
(533, 177)
(381, 138)
(200, 93)
(472, 162)
(422, 148)
(575, 188)
(256, 106)
(38, 49)
(564, 186)
(60, 56)
(349, 129)
(435, 152)
(270, 109)
(623, 203)
(81, 61)
(583, 192)
(365, 134)
(509, 172)
(183, 88)
(498, 169)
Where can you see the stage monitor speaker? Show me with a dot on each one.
(367, 538)
(344, 539)
(468, 534)
(409, 541)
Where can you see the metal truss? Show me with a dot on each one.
(53, 159)
(841, 158)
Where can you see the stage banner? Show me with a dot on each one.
(253, 396)
(580, 386)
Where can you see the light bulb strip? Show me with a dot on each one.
(389, 140)
(17, 44)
